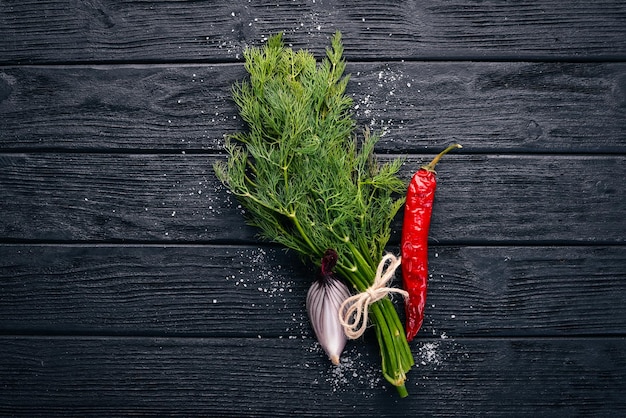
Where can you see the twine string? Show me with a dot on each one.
(353, 312)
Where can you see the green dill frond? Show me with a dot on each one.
(299, 171)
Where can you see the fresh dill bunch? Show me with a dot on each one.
(299, 171)
(306, 181)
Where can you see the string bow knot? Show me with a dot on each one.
(353, 312)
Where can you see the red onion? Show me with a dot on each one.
(323, 301)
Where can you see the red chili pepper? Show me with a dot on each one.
(414, 244)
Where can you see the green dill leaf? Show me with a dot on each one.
(300, 172)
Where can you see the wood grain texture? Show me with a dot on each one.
(129, 284)
(481, 198)
(489, 107)
(218, 291)
(113, 31)
(118, 108)
(270, 377)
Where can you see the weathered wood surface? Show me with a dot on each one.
(138, 197)
(233, 291)
(129, 284)
(59, 31)
(270, 377)
(489, 107)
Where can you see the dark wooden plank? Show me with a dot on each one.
(113, 108)
(270, 377)
(260, 291)
(161, 290)
(491, 107)
(481, 198)
(494, 107)
(65, 31)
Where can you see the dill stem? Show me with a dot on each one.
(397, 358)
(307, 240)
(362, 265)
(394, 349)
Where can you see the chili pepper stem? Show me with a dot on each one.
(431, 165)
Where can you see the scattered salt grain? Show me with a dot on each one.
(354, 370)
(429, 353)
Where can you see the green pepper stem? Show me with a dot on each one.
(431, 165)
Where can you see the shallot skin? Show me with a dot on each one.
(324, 299)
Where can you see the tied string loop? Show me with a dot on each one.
(354, 310)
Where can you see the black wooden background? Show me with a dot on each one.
(130, 285)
